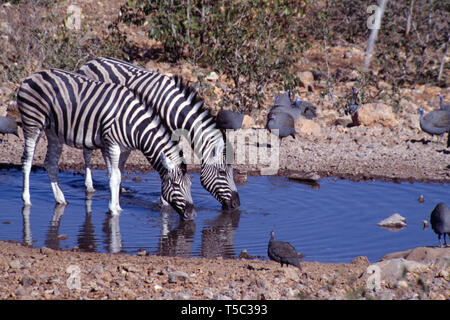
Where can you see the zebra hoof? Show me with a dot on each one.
(90, 190)
(115, 211)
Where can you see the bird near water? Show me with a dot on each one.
(283, 122)
(435, 122)
(228, 119)
(282, 252)
(440, 221)
(296, 109)
(8, 125)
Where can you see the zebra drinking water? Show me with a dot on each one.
(180, 108)
(88, 114)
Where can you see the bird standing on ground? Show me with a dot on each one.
(282, 252)
(298, 108)
(228, 119)
(436, 122)
(352, 107)
(283, 122)
(8, 125)
(440, 221)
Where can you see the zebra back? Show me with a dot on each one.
(76, 108)
(178, 105)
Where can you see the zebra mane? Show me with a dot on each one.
(189, 92)
(192, 96)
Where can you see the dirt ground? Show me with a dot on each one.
(388, 148)
(33, 273)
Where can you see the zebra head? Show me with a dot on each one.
(217, 177)
(176, 188)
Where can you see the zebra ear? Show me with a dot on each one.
(166, 162)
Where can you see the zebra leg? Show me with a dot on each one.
(112, 155)
(31, 140)
(123, 158)
(54, 149)
(87, 154)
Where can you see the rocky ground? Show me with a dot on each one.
(388, 145)
(32, 273)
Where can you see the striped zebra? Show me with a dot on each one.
(180, 108)
(88, 114)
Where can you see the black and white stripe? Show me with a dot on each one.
(179, 108)
(88, 114)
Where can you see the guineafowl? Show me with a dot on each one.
(283, 104)
(440, 221)
(227, 119)
(436, 122)
(352, 107)
(8, 125)
(282, 252)
(283, 122)
(443, 106)
(307, 109)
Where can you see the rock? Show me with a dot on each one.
(15, 264)
(306, 78)
(248, 122)
(307, 127)
(178, 276)
(371, 114)
(395, 269)
(425, 254)
(421, 198)
(402, 284)
(394, 221)
(212, 77)
(292, 274)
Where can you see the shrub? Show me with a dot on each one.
(35, 37)
(253, 42)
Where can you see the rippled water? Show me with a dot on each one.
(331, 222)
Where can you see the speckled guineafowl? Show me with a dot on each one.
(352, 107)
(283, 122)
(8, 125)
(282, 252)
(440, 221)
(228, 119)
(296, 109)
(436, 122)
(283, 104)
(307, 109)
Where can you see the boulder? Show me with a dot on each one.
(306, 78)
(307, 127)
(371, 114)
(421, 254)
(248, 122)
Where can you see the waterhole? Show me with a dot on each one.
(333, 221)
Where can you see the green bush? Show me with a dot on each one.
(254, 43)
(35, 38)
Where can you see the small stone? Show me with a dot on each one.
(177, 276)
(212, 77)
(421, 198)
(394, 221)
(15, 264)
(402, 284)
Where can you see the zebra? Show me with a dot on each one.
(83, 113)
(180, 108)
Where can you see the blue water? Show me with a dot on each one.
(335, 221)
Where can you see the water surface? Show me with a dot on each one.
(331, 222)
